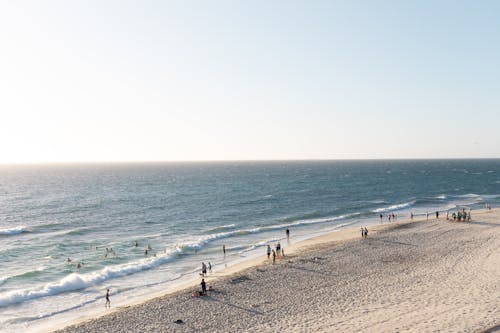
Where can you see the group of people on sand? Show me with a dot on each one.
(460, 216)
(390, 217)
(203, 284)
(204, 269)
(278, 250)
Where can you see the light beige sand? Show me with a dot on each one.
(424, 276)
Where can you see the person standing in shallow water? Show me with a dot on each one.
(287, 233)
(224, 250)
(203, 269)
(108, 302)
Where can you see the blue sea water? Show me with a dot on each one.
(185, 212)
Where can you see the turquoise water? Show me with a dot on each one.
(185, 212)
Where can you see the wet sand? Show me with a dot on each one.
(420, 276)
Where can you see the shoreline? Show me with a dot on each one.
(341, 235)
(295, 250)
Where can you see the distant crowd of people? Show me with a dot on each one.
(390, 217)
(460, 216)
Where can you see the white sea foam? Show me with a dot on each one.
(490, 196)
(75, 281)
(222, 227)
(13, 230)
(469, 195)
(394, 207)
(201, 241)
(259, 244)
(441, 196)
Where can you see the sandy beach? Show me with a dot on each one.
(420, 276)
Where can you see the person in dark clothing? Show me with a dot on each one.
(203, 287)
(108, 302)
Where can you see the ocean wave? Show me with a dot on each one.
(305, 216)
(201, 241)
(394, 207)
(221, 227)
(75, 281)
(469, 195)
(13, 231)
(257, 200)
(259, 244)
(441, 197)
(79, 231)
(24, 275)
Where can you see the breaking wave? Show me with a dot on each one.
(13, 231)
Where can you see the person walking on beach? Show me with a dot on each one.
(274, 257)
(209, 267)
(108, 302)
(427, 216)
(362, 232)
(224, 250)
(287, 234)
(268, 251)
(203, 269)
(381, 217)
(437, 215)
(366, 232)
(203, 287)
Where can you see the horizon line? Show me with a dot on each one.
(240, 160)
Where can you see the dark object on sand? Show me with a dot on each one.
(179, 321)
(239, 279)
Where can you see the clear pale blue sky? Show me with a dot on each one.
(216, 80)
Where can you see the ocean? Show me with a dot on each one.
(105, 216)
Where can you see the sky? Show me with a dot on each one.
(109, 81)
